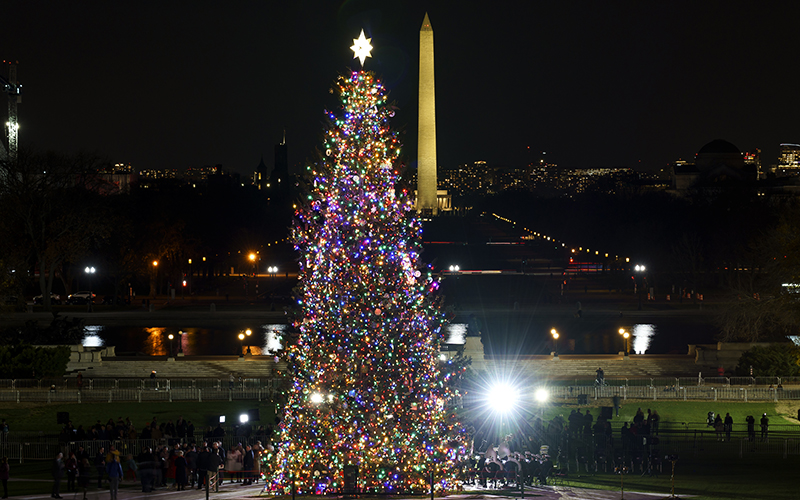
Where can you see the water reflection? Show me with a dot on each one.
(92, 336)
(642, 337)
(274, 336)
(455, 333)
(156, 342)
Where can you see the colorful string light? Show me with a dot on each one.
(367, 387)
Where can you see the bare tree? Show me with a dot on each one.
(49, 212)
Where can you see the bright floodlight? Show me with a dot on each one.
(502, 398)
(244, 417)
(316, 398)
(541, 395)
(222, 419)
(442, 357)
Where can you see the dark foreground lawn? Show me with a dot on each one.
(42, 417)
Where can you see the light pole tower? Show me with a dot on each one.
(426, 148)
(13, 90)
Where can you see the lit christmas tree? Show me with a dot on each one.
(368, 389)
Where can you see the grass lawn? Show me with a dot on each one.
(682, 411)
(42, 417)
(715, 477)
(719, 478)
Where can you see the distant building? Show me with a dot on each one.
(260, 178)
(717, 164)
(116, 179)
(279, 179)
(754, 158)
(196, 175)
(788, 161)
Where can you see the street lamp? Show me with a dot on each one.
(170, 337)
(554, 333)
(190, 276)
(252, 258)
(90, 271)
(640, 269)
(241, 345)
(180, 343)
(154, 283)
(625, 337)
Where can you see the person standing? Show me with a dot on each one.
(191, 465)
(58, 473)
(83, 475)
(72, 471)
(751, 428)
(203, 461)
(5, 470)
(728, 426)
(100, 465)
(248, 464)
(654, 421)
(615, 401)
(764, 428)
(180, 471)
(114, 470)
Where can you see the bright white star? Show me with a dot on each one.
(361, 48)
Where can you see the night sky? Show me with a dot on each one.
(184, 84)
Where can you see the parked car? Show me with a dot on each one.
(80, 298)
(55, 299)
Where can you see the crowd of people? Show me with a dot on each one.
(174, 466)
(168, 432)
(530, 458)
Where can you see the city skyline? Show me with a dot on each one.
(612, 85)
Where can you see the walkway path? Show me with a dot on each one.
(236, 491)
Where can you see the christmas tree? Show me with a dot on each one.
(368, 389)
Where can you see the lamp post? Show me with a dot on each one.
(170, 337)
(89, 272)
(190, 276)
(252, 258)
(554, 333)
(155, 278)
(625, 337)
(180, 343)
(242, 336)
(640, 269)
(272, 270)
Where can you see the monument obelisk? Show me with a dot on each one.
(426, 146)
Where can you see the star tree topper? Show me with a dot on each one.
(361, 48)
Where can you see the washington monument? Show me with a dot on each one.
(426, 152)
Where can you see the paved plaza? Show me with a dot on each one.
(129, 491)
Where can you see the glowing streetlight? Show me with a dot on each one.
(241, 345)
(89, 272)
(639, 269)
(503, 398)
(170, 337)
(180, 342)
(555, 335)
(455, 269)
(541, 395)
(625, 337)
(317, 398)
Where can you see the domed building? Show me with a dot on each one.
(718, 163)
